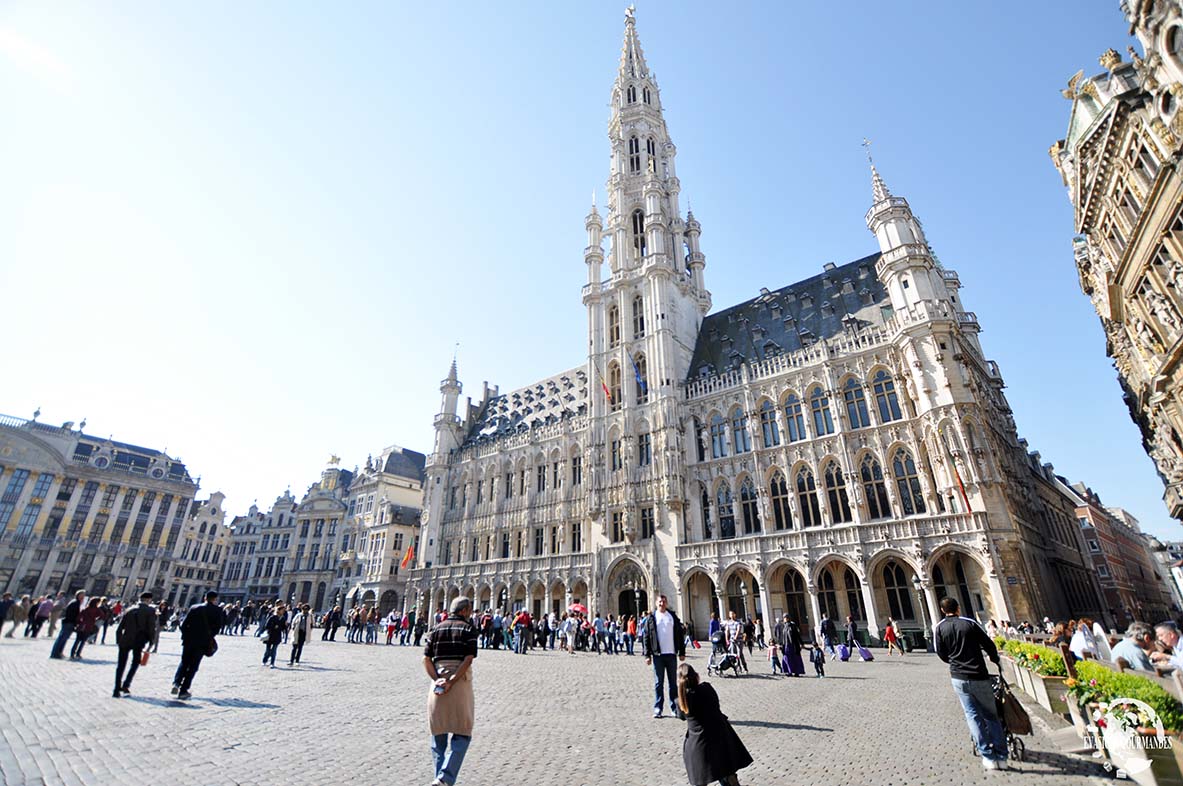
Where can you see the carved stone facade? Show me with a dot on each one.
(839, 445)
(1117, 161)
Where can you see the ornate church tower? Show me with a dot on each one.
(449, 433)
(642, 324)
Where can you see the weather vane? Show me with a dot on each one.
(867, 145)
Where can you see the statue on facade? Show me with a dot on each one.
(1162, 309)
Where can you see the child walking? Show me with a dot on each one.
(712, 751)
(818, 657)
(774, 656)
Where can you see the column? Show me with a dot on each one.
(869, 604)
(766, 606)
(721, 605)
(815, 608)
(934, 610)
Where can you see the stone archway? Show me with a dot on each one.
(558, 597)
(626, 591)
(700, 602)
(579, 592)
(388, 602)
(788, 595)
(484, 598)
(519, 597)
(742, 593)
(958, 574)
(369, 598)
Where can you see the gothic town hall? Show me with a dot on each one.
(840, 445)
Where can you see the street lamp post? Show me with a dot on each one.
(743, 592)
(924, 611)
(636, 600)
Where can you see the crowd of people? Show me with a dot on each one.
(1143, 647)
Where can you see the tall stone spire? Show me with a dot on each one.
(879, 190)
(632, 58)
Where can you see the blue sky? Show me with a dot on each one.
(253, 233)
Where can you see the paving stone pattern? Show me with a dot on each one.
(356, 714)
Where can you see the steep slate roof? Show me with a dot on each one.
(842, 297)
(406, 464)
(548, 401)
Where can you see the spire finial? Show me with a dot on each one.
(879, 190)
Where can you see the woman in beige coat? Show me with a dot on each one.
(19, 614)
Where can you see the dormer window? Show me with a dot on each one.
(632, 94)
(634, 155)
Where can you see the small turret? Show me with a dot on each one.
(447, 424)
(593, 255)
(906, 266)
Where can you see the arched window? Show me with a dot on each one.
(739, 431)
(907, 482)
(614, 384)
(751, 511)
(651, 155)
(794, 420)
(856, 404)
(885, 398)
(874, 488)
(634, 154)
(796, 599)
(819, 404)
(638, 316)
(836, 493)
(963, 589)
(641, 372)
(827, 598)
(201, 530)
(613, 326)
(768, 427)
(645, 95)
(854, 596)
(782, 514)
(706, 512)
(718, 437)
(700, 444)
(726, 511)
(639, 233)
(899, 594)
(632, 94)
(811, 512)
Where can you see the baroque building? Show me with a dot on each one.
(381, 524)
(1117, 160)
(200, 551)
(840, 445)
(84, 512)
(258, 551)
(311, 562)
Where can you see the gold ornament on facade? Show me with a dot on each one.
(1110, 59)
(1163, 133)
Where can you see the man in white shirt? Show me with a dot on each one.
(664, 641)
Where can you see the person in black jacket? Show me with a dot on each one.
(136, 629)
(665, 638)
(960, 642)
(69, 621)
(712, 751)
(198, 632)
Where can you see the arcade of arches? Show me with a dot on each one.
(893, 585)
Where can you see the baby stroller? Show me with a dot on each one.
(721, 660)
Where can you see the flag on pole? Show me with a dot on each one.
(640, 379)
(603, 384)
(410, 555)
(956, 474)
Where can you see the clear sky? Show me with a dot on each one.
(252, 233)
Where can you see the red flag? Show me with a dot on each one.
(956, 474)
(603, 384)
(410, 555)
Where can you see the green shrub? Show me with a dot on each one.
(1107, 685)
(1036, 657)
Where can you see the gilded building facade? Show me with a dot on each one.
(1118, 162)
(83, 512)
(200, 551)
(840, 445)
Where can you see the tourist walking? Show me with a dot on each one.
(301, 632)
(273, 633)
(164, 612)
(829, 633)
(663, 642)
(891, 636)
(106, 618)
(57, 610)
(960, 642)
(331, 623)
(39, 616)
(711, 750)
(734, 630)
(447, 659)
(19, 613)
(69, 620)
(136, 628)
(198, 640)
(87, 626)
(791, 645)
(817, 656)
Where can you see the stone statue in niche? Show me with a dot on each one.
(1141, 337)
(1162, 310)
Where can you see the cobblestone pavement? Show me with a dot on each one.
(355, 714)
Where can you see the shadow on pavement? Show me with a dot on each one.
(241, 704)
(771, 725)
(157, 702)
(1057, 764)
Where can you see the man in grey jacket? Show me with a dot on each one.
(136, 629)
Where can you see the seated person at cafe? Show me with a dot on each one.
(1132, 649)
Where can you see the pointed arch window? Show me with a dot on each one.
(899, 594)
(907, 482)
(613, 326)
(614, 384)
(794, 419)
(638, 233)
(706, 511)
(819, 405)
(836, 493)
(700, 444)
(638, 316)
(768, 427)
(634, 155)
(811, 512)
(725, 507)
(854, 596)
(632, 94)
(718, 437)
(646, 96)
(651, 154)
(874, 488)
(827, 597)
(796, 598)
(749, 507)
(739, 431)
(641, 372)
(856, 404)
(782, 515)
(885, 397)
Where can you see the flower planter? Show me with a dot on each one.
(1077, 715)
(1024, 678)
(1050, 692)
(1147, 767)
(1008, 670)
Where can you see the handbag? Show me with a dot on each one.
(144, 658)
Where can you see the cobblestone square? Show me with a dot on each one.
(355, 714)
